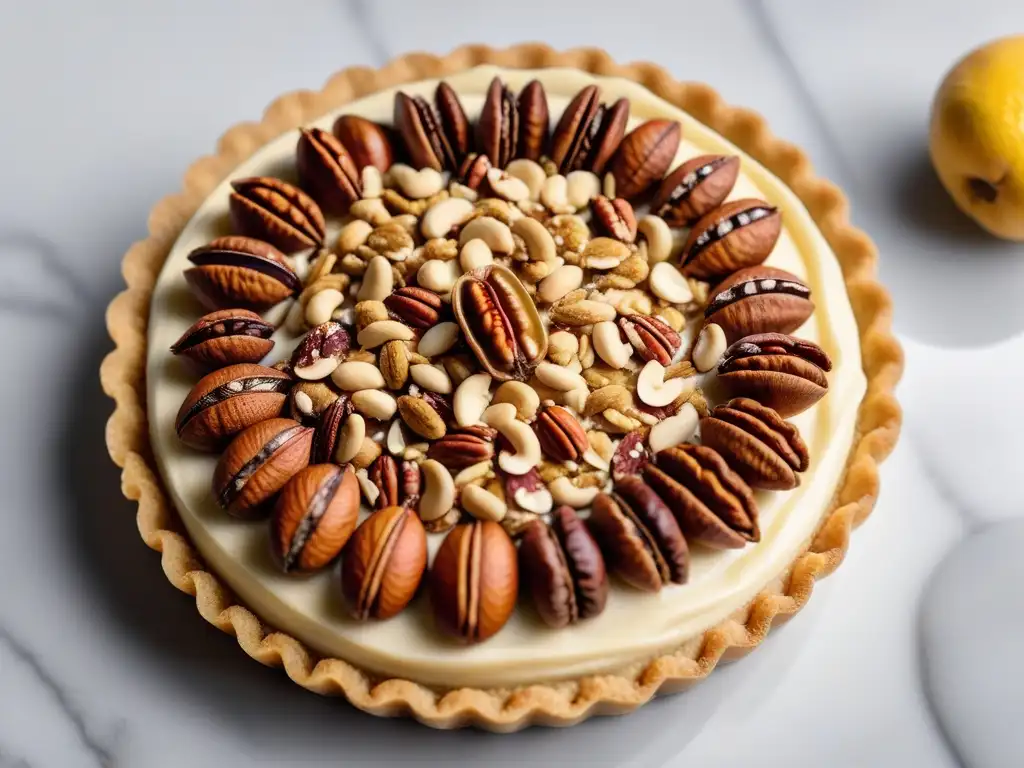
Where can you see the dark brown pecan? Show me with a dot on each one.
(651, 337)
(711, 503)
(473, 171)
(454, 123)
(320, 351)
(563, 569)
(696, 187)
(500, 322)
(758, 444)
(588, 132)
(614, 217)
(399, 484)
(226, 337)
(782, 372)
(639, 537)
(421, 131)
(327, 170)
(631, 455)
(415, 307)
(367, 142)
(759, 300)
(275, 211)
(561, 436)
(738, 234)
(497, 130)
(464, 447)
(533, 121)
(237, 271)
(328, 429)
(257, 464)
(644, 155)
(230, 399)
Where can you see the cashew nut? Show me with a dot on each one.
(530, 172)
(438, 491)
(540, 245)
(609, 345)
(416, 184)
(395, 441)
(383, 331)
(431, 378)
(564, 492)
(438, 276)
(475, 254)
(378, 280)
(581, 187)
(658, 237)
(482, 504)
(674, 430)
(668, 283)
(371, 182)
(652, 388)
(523, 398)
(538, 501)
(438, 339)
(351, 439)
(442, 217)
(477, 471)
(560, 282)
(353, 235)
(471, 399)
(555, 194)
(525, 454)
(322, 305)
(507, 186)
(499, 413)
(710, 347)
(557, 377)
(494, 233)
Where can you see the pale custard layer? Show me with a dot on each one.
(634, 626)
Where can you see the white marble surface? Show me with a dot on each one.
(905, 657)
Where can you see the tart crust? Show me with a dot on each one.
(563, 703)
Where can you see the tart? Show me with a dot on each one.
(509, 387)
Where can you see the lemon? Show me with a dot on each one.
(977, 136)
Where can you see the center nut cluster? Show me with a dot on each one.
(497, 348)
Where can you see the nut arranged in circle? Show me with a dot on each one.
(314, 517)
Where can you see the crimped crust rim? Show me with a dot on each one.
(123, 377)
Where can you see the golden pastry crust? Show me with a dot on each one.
(878, 426)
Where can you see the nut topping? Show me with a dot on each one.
(384, 563)
(695, 188)
(588, 133)
(226, 337)
(711, 503)
(779, 371)
(500, 322)
(758, 444)
(739, 234)
(225, 402)
(424, 137)
(367, 143)
(563, 569)
(326, 169)
(257, 464)
(497, 130)
(639, 537)
(275, 211)
(561, 436)
(454, 123)
(398, 483)
(321, 351)
(644, 155)
(474, 581)
(314, 517)
(631, 455)
(464, 447)
(651, 337)
(615, 217)
(759, 300)
(416, 307)
(241, 272)
(533, 121)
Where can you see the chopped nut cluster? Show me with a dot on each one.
(494, 346)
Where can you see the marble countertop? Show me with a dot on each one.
(905, 657)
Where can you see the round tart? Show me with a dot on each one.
(505, 393)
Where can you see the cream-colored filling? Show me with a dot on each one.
(634, 626)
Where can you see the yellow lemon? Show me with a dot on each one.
(977, 136)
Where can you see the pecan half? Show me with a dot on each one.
(464, 447)
(454, 123)
(738, 234)
(421, 131)
(500, 322)
(759, 300)
(588, 132)
(696, 187)
(758, 444)
(561, 436)
(615, 217)
(328, 429)
(399, 484)
(416, 307)
(497, 130)
(327, 170)
(651, 337)
(639, 537)
(711, 503)
(631, 455)
(275, 211)
(226, 337)
(563, 569)
(231, 399)
(779, 371)
(473, 170)
(367, 142)
(533, 121)
(237, 271)
(644, 155)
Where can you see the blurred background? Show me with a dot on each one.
(906, 656)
